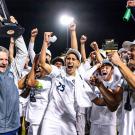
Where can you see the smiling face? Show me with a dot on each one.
(72, 63)
(132, 52)
(3, 61)
(106, 72)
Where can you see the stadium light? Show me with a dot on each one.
(66, 20)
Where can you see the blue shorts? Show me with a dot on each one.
(15, 132)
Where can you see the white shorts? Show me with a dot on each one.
(102, 129)
(58, 127)
(80, 124)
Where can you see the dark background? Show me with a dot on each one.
(98, 19)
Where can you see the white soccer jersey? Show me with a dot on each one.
(67, 92)
(101, 114)
(23, 101)
(127, 118)
(35, 110)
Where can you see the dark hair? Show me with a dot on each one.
(57, 59)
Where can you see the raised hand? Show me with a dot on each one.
(114, 58)
(47, 35)
(94, 46)
(95, 81)
(34, 32)
(13, 20)
(83, 39)
(72, 26)
(130, 3)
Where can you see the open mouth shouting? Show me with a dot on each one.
(70, 67)
(3, 68)
(104, 75)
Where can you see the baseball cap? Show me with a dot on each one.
(74, 51)
(127, 44)
(48, 52)
(107, 62)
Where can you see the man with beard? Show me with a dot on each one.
(103, 121)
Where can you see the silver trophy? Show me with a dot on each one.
(8, 28)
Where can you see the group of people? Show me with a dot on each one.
(69, 95)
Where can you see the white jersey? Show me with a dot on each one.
(35, 110)
(127, 118)
(101, 114)
(86, 64)
(23, 101)
(67, 93)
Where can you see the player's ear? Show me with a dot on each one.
(78, 64)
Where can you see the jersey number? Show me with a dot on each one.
(61, 87)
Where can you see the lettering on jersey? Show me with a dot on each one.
(61, 87)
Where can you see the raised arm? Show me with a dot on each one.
(29, 81)
(112, 98)
(11, 49)
(83, 40)
(126, 72)
(31, 51)
(42, 58)
(18, 63)
(72, 29)
(131, 3)
(94, 46)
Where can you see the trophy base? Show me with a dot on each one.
(11, 30)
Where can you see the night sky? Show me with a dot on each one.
(98, 19)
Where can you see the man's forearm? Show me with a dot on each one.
(107, 95)
(31, 51)
(127, 73)
(74, 43)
